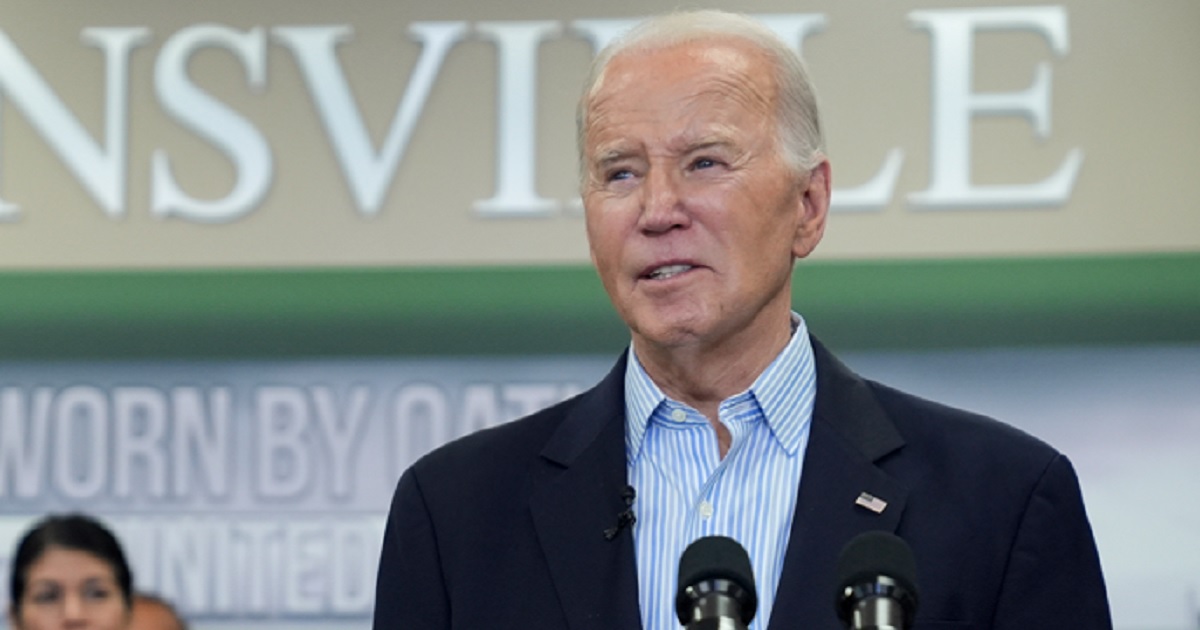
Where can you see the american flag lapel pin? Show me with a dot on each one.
(871, 502)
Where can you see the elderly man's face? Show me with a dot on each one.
(693, 217)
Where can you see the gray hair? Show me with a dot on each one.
(796, 109)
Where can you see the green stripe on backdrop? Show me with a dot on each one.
(376, 312)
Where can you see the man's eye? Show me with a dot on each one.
(619, 175)
(701, 163)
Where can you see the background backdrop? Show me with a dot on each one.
(256, 257)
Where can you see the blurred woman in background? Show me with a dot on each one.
(70, 572)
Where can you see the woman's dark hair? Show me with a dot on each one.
(76, 532)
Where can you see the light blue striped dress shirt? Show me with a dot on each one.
(686, 491)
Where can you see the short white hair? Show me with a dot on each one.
(796, 108)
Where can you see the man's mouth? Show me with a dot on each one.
(667, 271)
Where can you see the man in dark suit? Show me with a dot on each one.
(703, 182)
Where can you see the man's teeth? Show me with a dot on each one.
(663, 273)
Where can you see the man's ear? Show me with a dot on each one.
(817, 187)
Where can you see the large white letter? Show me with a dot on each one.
(368, 173)
(202, 438)
(150, 406)
(516, 121)
(876, 192)
(21, 453)
(81, 435)
(342, 430)
(284, 466)
(102, 170)
(952, 34)
(212, 120)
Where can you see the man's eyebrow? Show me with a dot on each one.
(705, 145)
(719, 138)
(606, 157)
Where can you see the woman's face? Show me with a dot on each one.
(71, 589)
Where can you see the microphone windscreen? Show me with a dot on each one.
(876, 553)
(717, 558)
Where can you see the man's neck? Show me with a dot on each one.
(702, 375)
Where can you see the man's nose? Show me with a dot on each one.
(662, 202)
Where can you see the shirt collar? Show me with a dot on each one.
(785, 392)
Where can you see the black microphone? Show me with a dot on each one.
(716, 586)
(626, 518)
(877, 583)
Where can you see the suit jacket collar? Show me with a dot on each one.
(576, 495)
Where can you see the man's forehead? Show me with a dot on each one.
(704, 57)
(680, 77)
(713, 111)
(715, 46)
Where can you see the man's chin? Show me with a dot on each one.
(670, 334)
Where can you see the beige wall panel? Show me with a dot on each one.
(1126, 94)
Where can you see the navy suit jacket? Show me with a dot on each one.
(504, 528)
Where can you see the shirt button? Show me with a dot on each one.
(679, 415)
(706, 510)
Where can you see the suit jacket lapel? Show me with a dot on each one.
(575, 497)
(849, 433)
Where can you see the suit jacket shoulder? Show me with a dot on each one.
(994, 515)
(505, 527)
